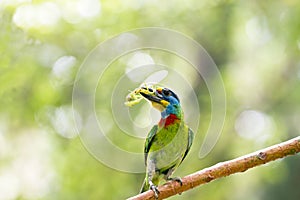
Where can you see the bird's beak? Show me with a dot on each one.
(154, 97)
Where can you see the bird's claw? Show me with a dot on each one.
(154, 189)
(177, 179)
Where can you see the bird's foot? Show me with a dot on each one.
(177, 179)
(154, 189)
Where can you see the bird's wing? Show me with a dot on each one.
(190, 142)
(149, 140)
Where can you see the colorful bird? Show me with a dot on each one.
(168, 142)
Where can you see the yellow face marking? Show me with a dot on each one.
(159, 89)
(158, 106)
(164, 103)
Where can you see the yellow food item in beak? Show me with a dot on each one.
(135, 97)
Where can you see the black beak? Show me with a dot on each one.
(154, 98)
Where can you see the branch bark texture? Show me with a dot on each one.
(223, 169)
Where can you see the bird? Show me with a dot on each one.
(168, 143)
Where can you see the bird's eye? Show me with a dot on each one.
(166, 92)
(150, 89)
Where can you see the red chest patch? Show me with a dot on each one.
(168, 121)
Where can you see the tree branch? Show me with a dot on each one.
(223, 169)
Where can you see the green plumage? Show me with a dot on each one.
(165, 149)
(167, 143)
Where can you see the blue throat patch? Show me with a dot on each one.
(170, 109)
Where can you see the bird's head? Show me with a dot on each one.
(163, 99)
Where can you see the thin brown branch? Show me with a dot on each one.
(223, 169)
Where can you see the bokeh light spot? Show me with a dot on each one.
(252, 124)
(30, 16)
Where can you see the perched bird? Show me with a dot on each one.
(168, 142)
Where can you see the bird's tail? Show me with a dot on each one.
(145, 186)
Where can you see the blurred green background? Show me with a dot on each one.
(255, 44)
